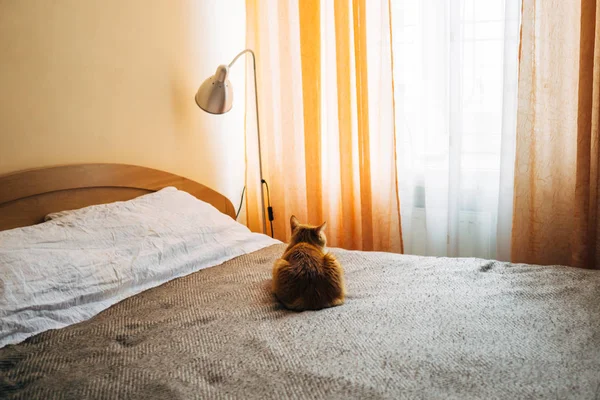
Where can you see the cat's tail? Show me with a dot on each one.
(283, 286)
(280, 264)
(335, 275)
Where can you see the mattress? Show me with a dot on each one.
(412, 327)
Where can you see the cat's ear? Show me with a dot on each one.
(322, 227)
(294, 222)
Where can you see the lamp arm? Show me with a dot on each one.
(262, 194)
(241, 53)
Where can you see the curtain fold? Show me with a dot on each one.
(556, 170)
(327, 119)
(310, 56)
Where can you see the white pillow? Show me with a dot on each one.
(70, 268)
(60, 214)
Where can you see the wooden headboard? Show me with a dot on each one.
(26, 197)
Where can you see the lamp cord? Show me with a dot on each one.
(237, 214)
(269, 208)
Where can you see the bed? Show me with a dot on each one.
(140, 285)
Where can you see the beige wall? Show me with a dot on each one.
(114, 81)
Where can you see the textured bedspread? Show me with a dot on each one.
(411, 328)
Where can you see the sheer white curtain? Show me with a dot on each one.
(455, 80)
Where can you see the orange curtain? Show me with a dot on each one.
(555, 217)
(327, 119)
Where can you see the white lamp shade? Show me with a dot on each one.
(215, 95)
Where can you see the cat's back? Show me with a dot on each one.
(304, 253)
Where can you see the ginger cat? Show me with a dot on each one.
(306, 277)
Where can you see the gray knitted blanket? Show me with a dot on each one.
(412, 327)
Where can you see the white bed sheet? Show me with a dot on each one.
(71, 268)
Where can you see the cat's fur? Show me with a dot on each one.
(306, 277)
